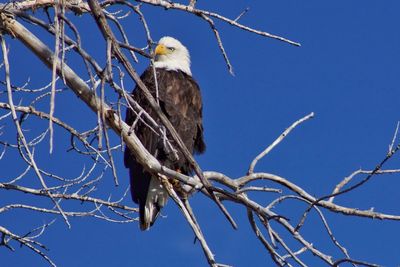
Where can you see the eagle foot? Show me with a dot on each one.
(178, 188)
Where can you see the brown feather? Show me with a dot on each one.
(180, 100)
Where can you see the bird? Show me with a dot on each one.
(179, 97)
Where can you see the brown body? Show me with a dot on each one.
(180, 100)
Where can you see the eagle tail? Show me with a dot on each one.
(156, 198)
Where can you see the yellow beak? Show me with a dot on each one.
(161, 50)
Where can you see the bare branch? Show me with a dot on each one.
(19, 130)
(277, 141)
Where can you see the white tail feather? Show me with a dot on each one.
(157, 197)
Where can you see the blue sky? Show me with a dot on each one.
(346, 72)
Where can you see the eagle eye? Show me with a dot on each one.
(172, 49)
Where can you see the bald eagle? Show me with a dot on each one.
(180, 99)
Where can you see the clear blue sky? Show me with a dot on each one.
(347, 72)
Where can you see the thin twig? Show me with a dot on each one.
(20, 133)
(219, 41)
(394, 137)
(195, 227)
(242, 14)
(277, 141)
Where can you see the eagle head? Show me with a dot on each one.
(171, 54)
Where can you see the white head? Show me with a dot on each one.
(172, 55)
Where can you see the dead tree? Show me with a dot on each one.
(101, 87)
